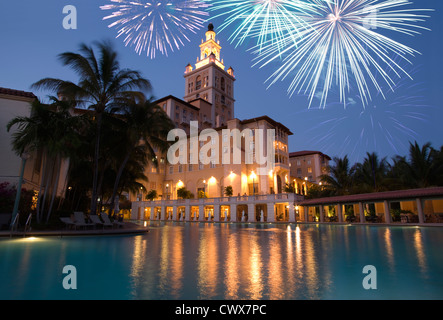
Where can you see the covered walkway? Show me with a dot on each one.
(418, 206)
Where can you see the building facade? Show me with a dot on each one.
(209, 104)
(234, 150)
(17, 103)
(308, 165)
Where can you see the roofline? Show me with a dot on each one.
(268, 119)
(17, 93)
(381, 196)
(306, 153)
(177, 99)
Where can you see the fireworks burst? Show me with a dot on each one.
(156, 25)
(386, 125)
(344, 45)
(266, 20)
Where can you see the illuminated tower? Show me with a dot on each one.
(209, 81)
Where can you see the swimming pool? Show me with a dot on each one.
(178, 260)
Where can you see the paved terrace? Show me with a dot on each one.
(128, 228)
(426, 206)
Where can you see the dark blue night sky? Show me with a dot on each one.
(32, 36)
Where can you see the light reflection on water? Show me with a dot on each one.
(229, 261)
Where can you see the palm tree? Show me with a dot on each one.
(398, 174)
(438, 166)
(100, 86)
(144, 125)
(51, 129)
(421, 166)
(151, 195)
(371, 174)
(339, 179)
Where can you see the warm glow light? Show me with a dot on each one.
(31, 239)
(180, 184)
(212, 180)
(253, 176)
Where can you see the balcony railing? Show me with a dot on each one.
(264, 198)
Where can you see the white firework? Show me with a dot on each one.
(345, 44)
(156, 25)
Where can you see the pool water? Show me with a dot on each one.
(178, 260)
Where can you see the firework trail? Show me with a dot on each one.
(265, 20)
(386, 125)
(153, 26)
(344, 46)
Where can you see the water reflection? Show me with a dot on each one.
(232, 280)
(253, 256)
(389, 249)
(208, 262)
(420, 251)
(238, 261)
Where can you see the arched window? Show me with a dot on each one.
(198, 83)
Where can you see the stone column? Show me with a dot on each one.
(187, 211)
(306, 213)
(233, 209)
(201, 213)
(134, 210)
(216, 212)
(420, 206)
(387, 212)
(151, 217)
(163, 213)
(251, 212)
(322, 213)
(362, 212)
(291, 212)
(174, 213)
(271, 212)
(340, 212)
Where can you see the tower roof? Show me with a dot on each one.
(210, 27)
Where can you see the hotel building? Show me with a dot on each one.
(209, 103)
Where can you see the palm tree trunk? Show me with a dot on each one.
(40, 192)
(55, 188)
(95, 168)
(117, 181)
(65, 187)
(47, 184)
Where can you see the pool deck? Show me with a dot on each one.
(131, 228)
(128, 228)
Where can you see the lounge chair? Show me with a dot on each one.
(79, 220)
(106, 219)
(96, 220)
(67, 221)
